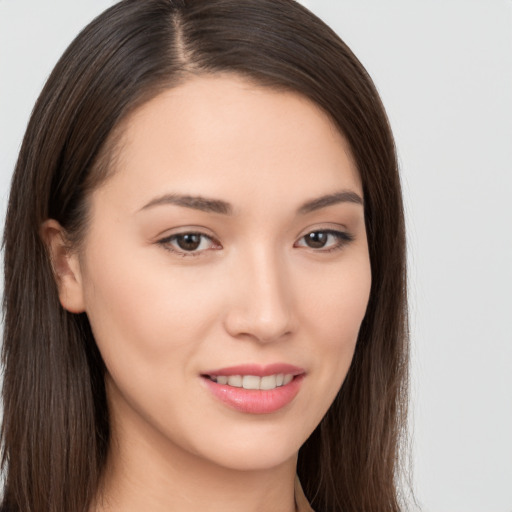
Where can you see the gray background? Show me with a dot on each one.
(444, 70)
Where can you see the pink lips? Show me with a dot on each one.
(255, 401)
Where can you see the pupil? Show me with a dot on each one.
(316, 240)
(189, 242)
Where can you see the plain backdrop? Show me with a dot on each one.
(444, 70)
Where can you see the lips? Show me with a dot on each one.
(255, 389)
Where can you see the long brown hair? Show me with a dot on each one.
(55, 430)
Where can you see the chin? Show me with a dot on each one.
(254, 451)
(255, 459)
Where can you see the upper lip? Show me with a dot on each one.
(257, 370)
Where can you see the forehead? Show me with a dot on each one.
(216, 131)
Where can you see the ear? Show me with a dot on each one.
(66, 266)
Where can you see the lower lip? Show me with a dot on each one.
(255, 401)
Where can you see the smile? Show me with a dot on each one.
(254, 389)
(266, 383)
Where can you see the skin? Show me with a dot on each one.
(253, 292)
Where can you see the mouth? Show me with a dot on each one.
(255, 389)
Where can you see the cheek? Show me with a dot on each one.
(341, 315)
(332, 314)
(337, 301)
(141, 313)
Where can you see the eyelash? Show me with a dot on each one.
(166, 243)
(342, 239)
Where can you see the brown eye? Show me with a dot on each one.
(325, 241)
(189, 241)
(316, 239)
(189, 244)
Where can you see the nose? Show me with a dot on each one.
(262, 301)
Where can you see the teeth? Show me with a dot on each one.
(251, 382)
(268, 382)
(254, 382)
(235, 381)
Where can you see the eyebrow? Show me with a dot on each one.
(195, 202)
(222, 207)
(344, 196)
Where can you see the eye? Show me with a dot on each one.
(189, 244)
(325, 240)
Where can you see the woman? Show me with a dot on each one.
(205, 271)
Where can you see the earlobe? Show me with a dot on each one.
(66, 266)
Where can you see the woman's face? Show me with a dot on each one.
(227, 249)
